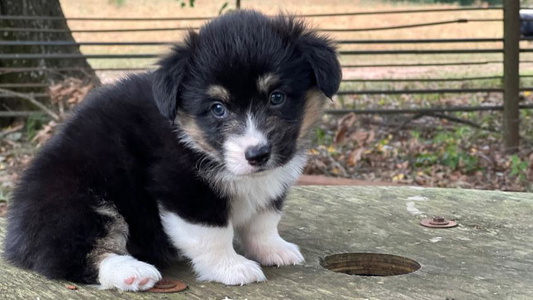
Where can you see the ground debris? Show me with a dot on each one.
(429, 152)
(3, 209)
(69, 92)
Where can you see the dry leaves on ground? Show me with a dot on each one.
(429, 152)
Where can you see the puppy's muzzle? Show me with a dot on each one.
(257, 155)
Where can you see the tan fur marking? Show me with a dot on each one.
(218, 92)
(265, 82)
(115, 239)
(189, 126)
(314, 105)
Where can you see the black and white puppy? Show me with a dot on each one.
(179, 161)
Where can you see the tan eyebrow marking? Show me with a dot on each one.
(218, 92)
(265, 82)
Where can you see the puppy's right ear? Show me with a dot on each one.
(170, 74)
(320, 53)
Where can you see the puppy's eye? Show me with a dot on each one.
(277, 98)
(218, 110)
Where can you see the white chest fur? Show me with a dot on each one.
(251, 193)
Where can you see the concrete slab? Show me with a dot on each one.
(488, 256)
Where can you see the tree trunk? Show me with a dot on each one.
(49, 8)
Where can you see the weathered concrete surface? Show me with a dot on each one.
(489, 256)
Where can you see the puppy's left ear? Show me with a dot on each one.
(320, 53)
(168, 78)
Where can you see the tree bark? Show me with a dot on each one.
(51, 8)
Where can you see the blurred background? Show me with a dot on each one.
(421, 103)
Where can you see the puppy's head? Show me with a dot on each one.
(247, 88)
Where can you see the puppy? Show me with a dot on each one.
(179, 161)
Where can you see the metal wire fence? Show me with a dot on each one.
(467, 56)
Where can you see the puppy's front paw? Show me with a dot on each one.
(274, 252)
(234, 270)
(127, 274)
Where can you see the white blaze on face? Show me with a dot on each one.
(235, 148)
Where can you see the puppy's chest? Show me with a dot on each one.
(250, 195)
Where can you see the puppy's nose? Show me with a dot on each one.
(257, 155)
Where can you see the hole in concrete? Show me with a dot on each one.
(369, 264)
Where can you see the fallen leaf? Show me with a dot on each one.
(360, 137)
(45, 133)
(355, 156)
(371, 136)
(343, 126)
(347, 121)
(340, 136)
(3, 209)
(398, 177)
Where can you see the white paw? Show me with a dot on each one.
(127, 274)
(233, 270)
(274, 252)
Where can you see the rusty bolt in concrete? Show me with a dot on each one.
(438, 222)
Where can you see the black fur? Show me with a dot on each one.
(120, 149)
